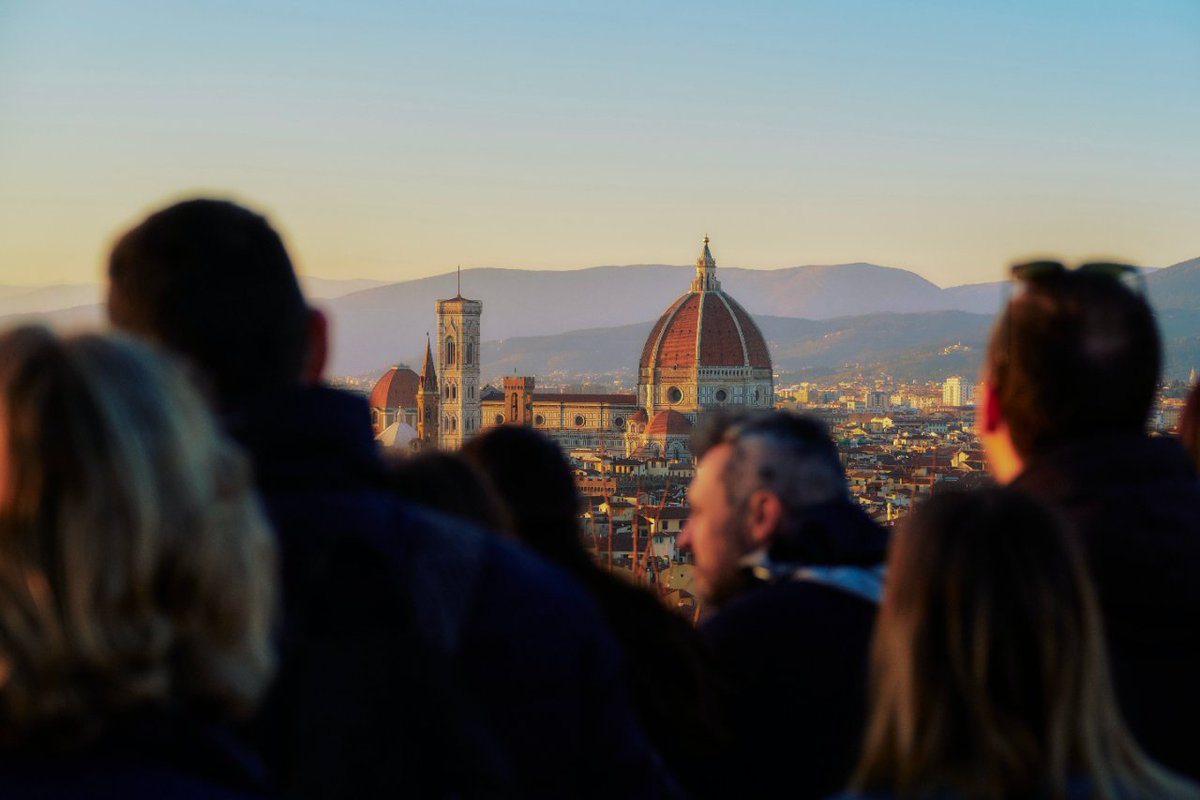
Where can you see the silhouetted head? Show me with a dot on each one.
(534, 479)
(1074, 355)
(756, 474)
(451, 484)
(989, 673)
(212, 281)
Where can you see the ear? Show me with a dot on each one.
(990, 416)
(318, 347)
(1003, 460)
(764, 512)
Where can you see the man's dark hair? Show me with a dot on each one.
(1073, 356)
(788, 454)
(212, 281)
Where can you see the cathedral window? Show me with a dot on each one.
(722, 395)
(674, 395)
(539, 420)
(449, 351)
(470, 353)
(579, 420)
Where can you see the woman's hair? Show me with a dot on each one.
(989, 674)
(533, 478)
(136, 569)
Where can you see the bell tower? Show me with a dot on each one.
(458, 367)
(427, 400)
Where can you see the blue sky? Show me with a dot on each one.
(395, 140)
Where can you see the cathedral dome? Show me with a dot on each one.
(705, 327)
(669, 422)
(705, 352)
(396, 389)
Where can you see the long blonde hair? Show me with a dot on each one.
(136, 569)
(989, 676)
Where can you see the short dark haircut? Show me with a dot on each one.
(212, 281)
(1073, 356)
(788, 454)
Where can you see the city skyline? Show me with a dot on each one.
(395, 142)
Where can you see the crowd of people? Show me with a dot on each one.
(213, 585)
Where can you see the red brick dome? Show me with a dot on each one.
(706, 328)
(396, 389)
(669, 422)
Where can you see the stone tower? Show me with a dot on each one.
(427, 401)
(458, 367)
(518, 399)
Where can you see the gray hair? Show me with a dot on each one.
(789, 455)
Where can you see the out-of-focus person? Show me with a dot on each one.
(989, 673)
(669, 670)
(1070, 376)
(136, 579)
(451, 484)
(419, 656)
(1189, 426)
(791, 566)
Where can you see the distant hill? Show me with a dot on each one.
(54, 297)
(800, 348)
(818, 319)
(379, 326)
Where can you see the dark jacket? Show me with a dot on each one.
(144, 757)
(420, 656)
(1134, 503)
(794, 652)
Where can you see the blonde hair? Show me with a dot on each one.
(989, 675)
(136, 569)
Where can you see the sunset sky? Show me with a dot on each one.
(396, 140)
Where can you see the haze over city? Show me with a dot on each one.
(394, 141)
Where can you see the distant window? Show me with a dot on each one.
(674, 395)
(449, 351)
(722, 395)
(579, 420)
(539, 420)
(499, 419)
(470, 353)
(618, 422)
(758, 395)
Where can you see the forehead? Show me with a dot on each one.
(710, 472)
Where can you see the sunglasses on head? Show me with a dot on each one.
(1034, 272)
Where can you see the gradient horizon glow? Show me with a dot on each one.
(396, 140)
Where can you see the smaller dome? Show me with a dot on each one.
(638, 416)
(398, 434)
(670, 423)
(396, 389)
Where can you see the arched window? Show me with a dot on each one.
(449, 351)
(470, 353)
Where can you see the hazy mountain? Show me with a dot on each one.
(380, 325)
(799, 347)
(37, 299)
(930, 345)
(826, 319)
(1177, 286)
(327, 289)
